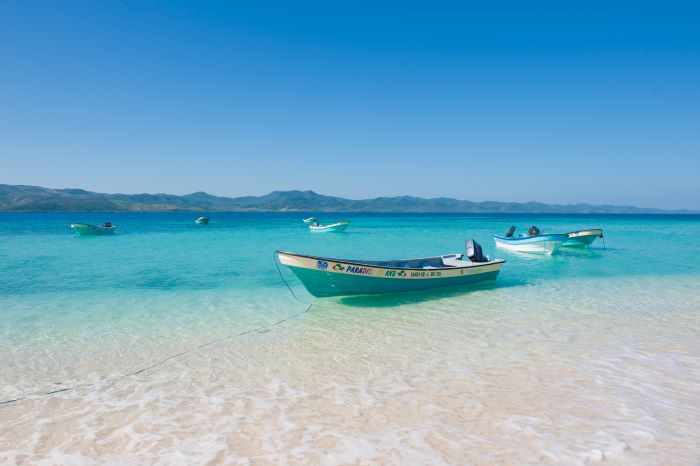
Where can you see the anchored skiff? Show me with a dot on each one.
(583, 238)
(325, 276)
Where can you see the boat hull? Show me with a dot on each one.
(310, 220)
(541, 244)
(582, 238)
(325, 277)
(333, 227)
(83, 229)
(202, 221)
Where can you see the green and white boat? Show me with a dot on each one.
(85, 229)
(310, 220)
(582, 238)
(326, 276)
(332, 227)
(202, 221)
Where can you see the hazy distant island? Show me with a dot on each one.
(20, 198)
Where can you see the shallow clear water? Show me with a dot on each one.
(584, 356)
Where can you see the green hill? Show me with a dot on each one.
(19, 198)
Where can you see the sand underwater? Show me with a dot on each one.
(583, 357)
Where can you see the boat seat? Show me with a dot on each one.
(450, 262)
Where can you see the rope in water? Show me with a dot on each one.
(177, 355)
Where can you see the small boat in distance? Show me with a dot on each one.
(582, 238)
(331, 227)
(326, 276)
(85, 229)
(202, 221)
(534, 242)
(310, 220)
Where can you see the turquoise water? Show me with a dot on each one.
(86, 310)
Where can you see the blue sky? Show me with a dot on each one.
(515, 101)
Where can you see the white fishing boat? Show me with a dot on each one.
(332, 227)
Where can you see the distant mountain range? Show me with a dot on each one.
(18, 198)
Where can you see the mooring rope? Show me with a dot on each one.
(177, 355)
(274, 258)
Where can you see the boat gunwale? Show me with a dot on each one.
(364, 264)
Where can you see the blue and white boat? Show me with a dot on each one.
(534, 242)
(326, 276)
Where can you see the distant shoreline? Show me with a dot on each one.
(302, 213)
(35, 199)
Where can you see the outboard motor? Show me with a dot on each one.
(533, 231)
(511, 230)
(474, 252)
